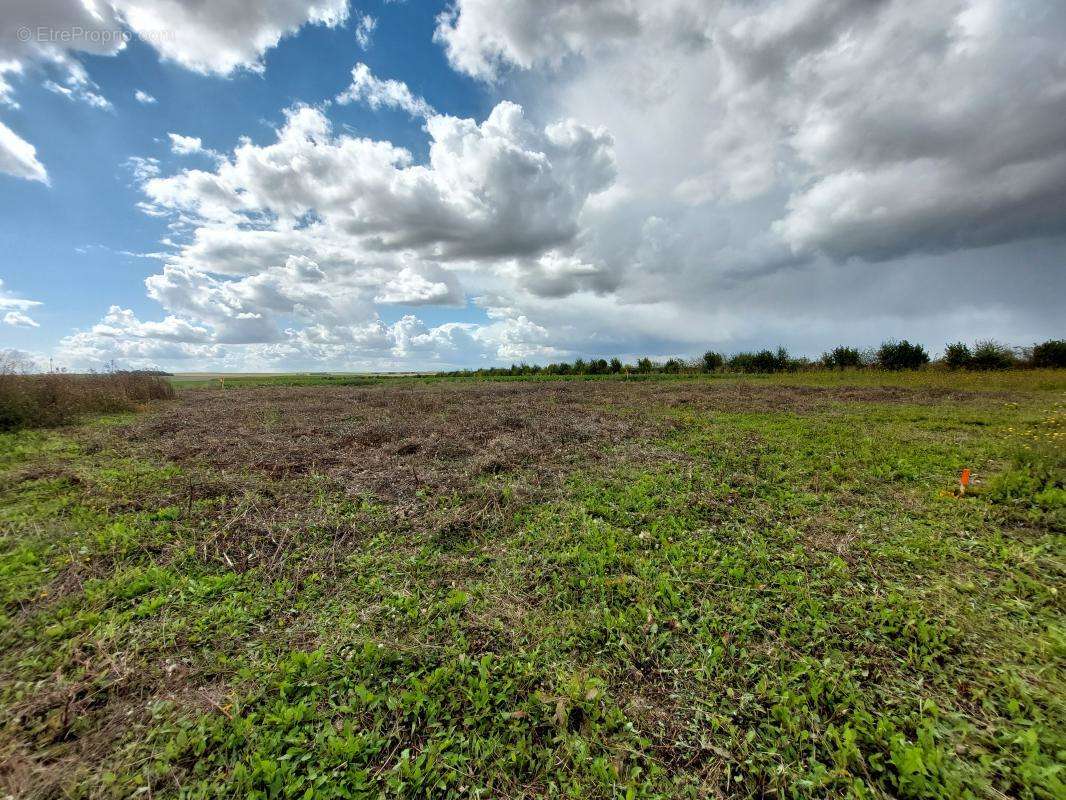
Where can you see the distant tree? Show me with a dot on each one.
(742, 362)
(842, 358)
(992, 355)
(783, 361)
(616, 366)
(712, 361)
(766, 361)
(958, 356)
(1051, 353)
(645, 365)
(673, 366)
(762, 361)
(901, 355)
(579, 367)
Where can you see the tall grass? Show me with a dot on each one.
(29, 400)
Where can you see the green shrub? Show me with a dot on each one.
(958, 356)
(762, 361)
(1051, 353)
(842, 358)
(991, 355)
(901, 355)
(712, 361)
(673, 366)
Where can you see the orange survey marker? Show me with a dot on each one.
(964, 480)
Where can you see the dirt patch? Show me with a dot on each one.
(391, 443)
(394, 441)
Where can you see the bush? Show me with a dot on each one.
(958, 356)
(56, 398)
(712, 361)
(991, 355)
(742, 362)
(842, 358)
(1051, 353)
(762, 361)
(901, 355)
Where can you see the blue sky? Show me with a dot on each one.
(582, 179)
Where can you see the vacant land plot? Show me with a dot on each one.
(672, 588)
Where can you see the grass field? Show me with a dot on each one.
(706, 588)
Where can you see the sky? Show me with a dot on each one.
(385, 185)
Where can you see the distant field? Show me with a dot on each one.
(1007, 380)
(369, 586)
(194, 380)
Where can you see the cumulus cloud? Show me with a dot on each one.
(377, 93)
(481, 37)
(212, 38)
(185, 145)
(14, 309)
(888, 127)
(496, 189)
(19, 318)
(188, 146)
(216, 38)
(773, 156)
(296, 243)
(19, 158)
(144, 98)
(790, 171)
(426, 284)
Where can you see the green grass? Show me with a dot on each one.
(785, 603)
(1028, 380)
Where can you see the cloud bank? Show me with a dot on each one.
(291, 248)
(681, 174)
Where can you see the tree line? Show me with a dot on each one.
(891, 355)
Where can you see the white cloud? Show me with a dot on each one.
(481, 37)
(19, 158)
(292, 245)
(378, 93)
(889, 126)
(216, 38)
(120, 323)
(144, 98)
(185, 145)
(364, 30)
(213, 38)
(143, 169)
(499, 189)
(809, 172)
(15, 309)
(425, 284)
(8, 67)
(78, 87)
(19, 318)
